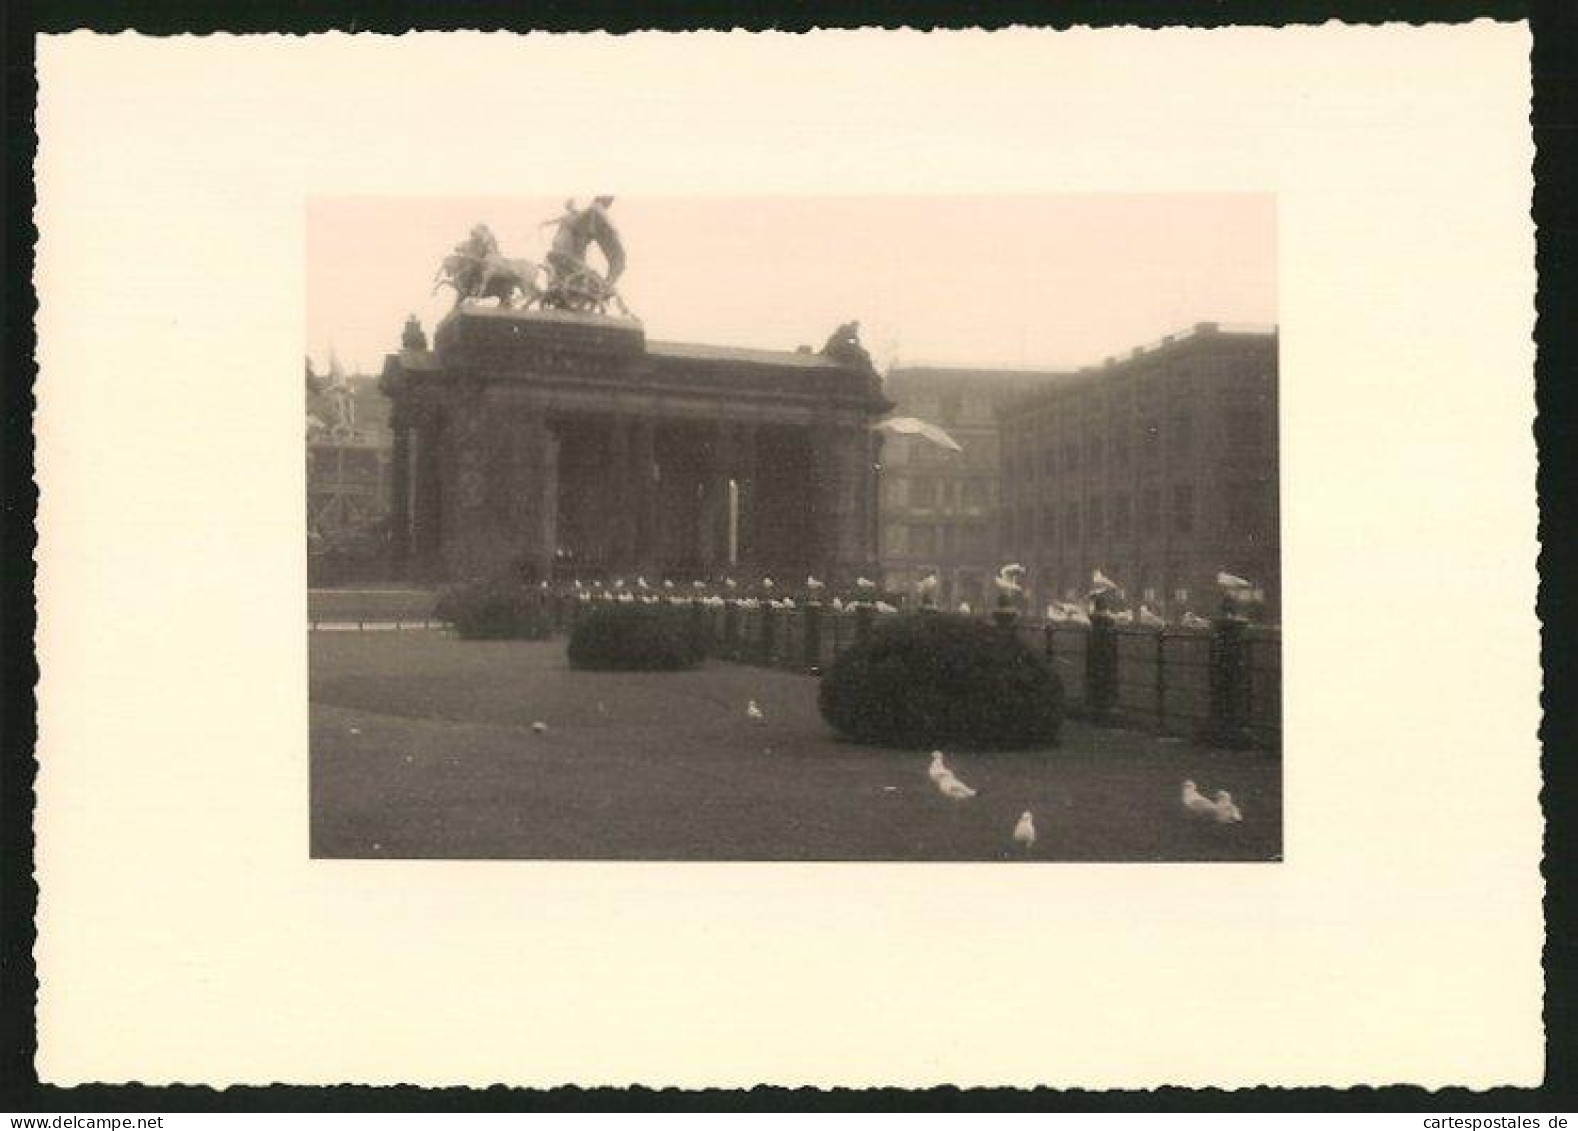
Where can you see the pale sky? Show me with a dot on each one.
(1031, 281)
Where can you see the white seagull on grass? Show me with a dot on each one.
(954, 789)
(754, 713)
(1025, 831)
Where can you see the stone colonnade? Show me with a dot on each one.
(484, 486)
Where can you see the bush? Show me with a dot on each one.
(494, 610)
(936, 679)
(616, 637)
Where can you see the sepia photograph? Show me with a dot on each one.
(857, 559)
(879, 528)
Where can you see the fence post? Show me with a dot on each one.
(863, 615)
(813, 636)
(1101, 666)
(731, 629)
(769, 633)
(1161, 679)
(1228, 723)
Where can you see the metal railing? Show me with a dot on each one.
(1221, 684)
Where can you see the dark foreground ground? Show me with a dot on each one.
(422, 746)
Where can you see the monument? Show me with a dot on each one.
(546, 437)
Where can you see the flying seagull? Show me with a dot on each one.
(914, 426)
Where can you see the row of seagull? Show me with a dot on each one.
(1219, 808)
(715, 601)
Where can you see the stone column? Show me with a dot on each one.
(644, 497)
(715, 508)
(400, 495)
(745, 474)
(843, 486)
(426, 495)
(616, 497)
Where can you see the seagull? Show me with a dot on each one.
(1150, 619)
(964, 607)
(884, 607)
(728, 583)
(698, 586)
(754, 713)
(938, 768)
(927, 585)
(1226, 811)
(540, 727)
(813, 584)
(1190, 620)
(864, 583)
(641, 583)
(767, 583)
(667, 584)
(1078, 616)
(1101, 583)
(578, 583)
(626, 597)
(1196, 802)
(1229, 582)
(954, 789)
(1056, 612)
(786, 603)
(1025, 831)
(838, 606)
(1007, 579)
(1125, 617)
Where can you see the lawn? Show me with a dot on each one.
(423, 747)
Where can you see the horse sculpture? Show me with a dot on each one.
(492, 277)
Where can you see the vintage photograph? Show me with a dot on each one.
(794, 529)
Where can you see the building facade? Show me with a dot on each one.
(939, 507)
(563, 444)
(1159, 469)
(349, 450)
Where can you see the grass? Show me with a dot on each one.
(422, 747)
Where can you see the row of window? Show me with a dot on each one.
(970, 539)
(1099, 517)
(940, 494)
(1244, 431)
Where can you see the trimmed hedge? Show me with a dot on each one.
(494, 610)
(935, 679)
(619, 637)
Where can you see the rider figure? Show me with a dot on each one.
(578, 228)
(480, 247)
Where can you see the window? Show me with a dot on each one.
(1150, 511)
(1095, 519)
(1048, 523)
(923, 493)
(923, 541)
(896, 542)
(974, 494)
(1244, 511)
(1071, 522)
(1181, 596)
(1243, 426)
(948, 407)
(1120, 516)
(1183, 508)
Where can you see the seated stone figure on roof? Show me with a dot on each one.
(844, 346)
